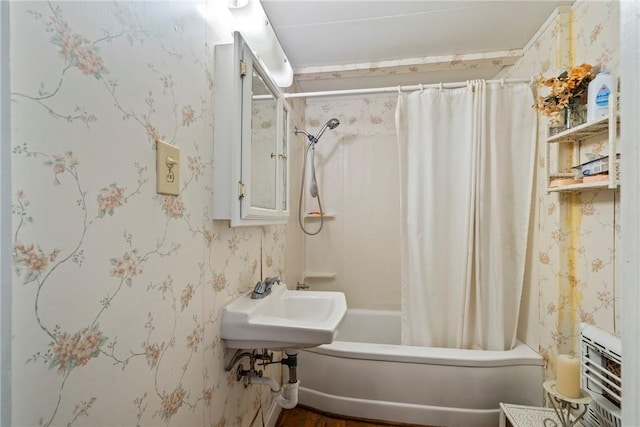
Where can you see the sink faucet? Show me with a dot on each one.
(262, 289)
(272, 280)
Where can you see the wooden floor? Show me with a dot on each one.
(302, 416)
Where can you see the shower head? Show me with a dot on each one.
(331, 124)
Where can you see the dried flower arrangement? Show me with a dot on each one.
(568, 88)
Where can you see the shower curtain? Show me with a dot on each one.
(466, 174)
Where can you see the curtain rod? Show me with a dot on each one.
(400, 88)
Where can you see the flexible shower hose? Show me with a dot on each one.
(314, 190)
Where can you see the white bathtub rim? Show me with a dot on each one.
(521, 355)
(397, 411)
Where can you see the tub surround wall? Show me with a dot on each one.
(117, 290)
(295, 241)
(357, 171)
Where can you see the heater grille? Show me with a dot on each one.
(601, 357)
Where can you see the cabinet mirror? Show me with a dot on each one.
(250, 140)
(264, 112)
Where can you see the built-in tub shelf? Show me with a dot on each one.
(318, 275)
(328, 215)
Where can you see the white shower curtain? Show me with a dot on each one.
(466, 174)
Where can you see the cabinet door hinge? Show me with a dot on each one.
(240, 190)
(243, 68)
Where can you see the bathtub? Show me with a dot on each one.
(366, 373)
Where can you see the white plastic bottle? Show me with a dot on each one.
(598, 95)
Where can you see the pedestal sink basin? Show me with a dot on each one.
(283, 319)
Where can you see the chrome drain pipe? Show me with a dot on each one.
(292, 362)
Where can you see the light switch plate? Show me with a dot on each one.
(167, 169)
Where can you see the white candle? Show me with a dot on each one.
(568, 376)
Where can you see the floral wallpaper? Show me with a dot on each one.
(573, 274)
(117, 290)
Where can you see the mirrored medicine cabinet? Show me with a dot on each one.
(250, 147)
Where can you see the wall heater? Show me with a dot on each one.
(601, 357)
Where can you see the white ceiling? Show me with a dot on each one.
(332, 33)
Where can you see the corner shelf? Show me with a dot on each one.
(581, 187)
(575, 136)
(583, 131)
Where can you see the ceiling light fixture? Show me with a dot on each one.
(253, 24)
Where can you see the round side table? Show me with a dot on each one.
(562, 405)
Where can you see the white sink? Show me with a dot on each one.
(283, 319)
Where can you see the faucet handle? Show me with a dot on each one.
(260, 288)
